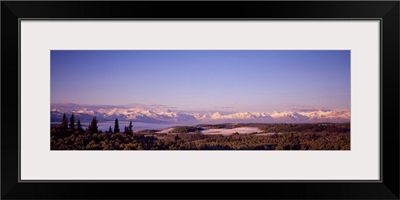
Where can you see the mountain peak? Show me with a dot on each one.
(158, 114)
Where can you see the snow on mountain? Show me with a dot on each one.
(159, 114)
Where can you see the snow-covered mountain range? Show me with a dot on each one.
(160, 114)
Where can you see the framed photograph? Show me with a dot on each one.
(101, 98)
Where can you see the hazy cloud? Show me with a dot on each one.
(306, 108)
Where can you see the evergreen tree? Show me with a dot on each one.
(93, 126)
(126, 130)
(176, 138)
(79, 126)
(110, 130)
(116, 126)
(130, 131)
(72, 122)
(64, 122)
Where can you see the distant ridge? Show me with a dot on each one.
(160, 114)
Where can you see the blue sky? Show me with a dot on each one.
(223, 80)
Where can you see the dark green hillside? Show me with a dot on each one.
(319, 136)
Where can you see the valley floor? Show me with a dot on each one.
(319, 136)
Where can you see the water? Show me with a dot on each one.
(104, 125)
(136, 125)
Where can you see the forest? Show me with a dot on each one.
(69, 135)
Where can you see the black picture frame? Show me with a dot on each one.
(386, 11)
